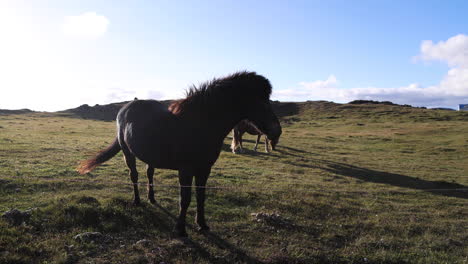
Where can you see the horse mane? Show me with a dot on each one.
(238, 87)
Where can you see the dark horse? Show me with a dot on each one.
(245, 126)
(188, 135)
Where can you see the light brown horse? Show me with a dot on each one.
(245, 126)
(188, 135)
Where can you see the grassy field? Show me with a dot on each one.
(348, 184)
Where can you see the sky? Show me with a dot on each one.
(56, 55)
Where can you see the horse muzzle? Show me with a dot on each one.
(274, 136)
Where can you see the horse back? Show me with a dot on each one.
(158, 137)
(143, 111)
(245, 126)
(147, 129)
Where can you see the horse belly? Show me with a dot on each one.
(252, 131)
(156, 154)
(151, 147)
(162, 158)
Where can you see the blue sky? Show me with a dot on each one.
(60, 54)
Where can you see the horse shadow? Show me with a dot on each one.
(449, 189)
(444, 188)
(246, 151)
(285, 150)
(212, 238)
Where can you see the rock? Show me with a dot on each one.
(87, 237)
(145, 243)
(16, 217)
(454, 243)
(2, 181)
(272, 219)
(69, 248)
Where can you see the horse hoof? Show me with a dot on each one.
(136, 202)
(204, 228)
(180, 233)
(179, 230)
(151, 199)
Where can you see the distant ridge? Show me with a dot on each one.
(15, 112)
(377, 102)
(99, 112)
(106, 112)
(443, 108)
(291, 112)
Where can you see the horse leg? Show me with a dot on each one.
(185, 181)
(131, 163)
(200, 180)
(234, 143)
(256, 142)
(241, 149)
(267, 147)
(149, 174)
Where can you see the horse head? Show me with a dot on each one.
(263, 117)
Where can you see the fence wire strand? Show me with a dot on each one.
(246, 188)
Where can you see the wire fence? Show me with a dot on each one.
(272, 187)
(269, 186)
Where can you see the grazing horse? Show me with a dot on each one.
(245, 126)
(188, 135)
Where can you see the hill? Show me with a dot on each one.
(290, 112)
(349, 183)
(310, 110)
(15, 112)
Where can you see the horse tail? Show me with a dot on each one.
(103, 156)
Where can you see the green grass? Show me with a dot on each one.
(353, 184)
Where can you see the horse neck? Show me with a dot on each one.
(228, 122)
(217, 124)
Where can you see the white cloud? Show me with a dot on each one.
(328, 90)
(116, 94)
(331, 82)
(454, 51)
(452, 89)
(86, 25)
(306, 90)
